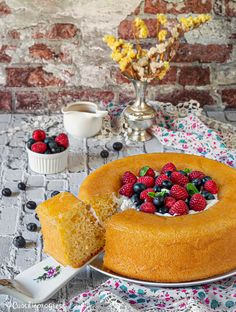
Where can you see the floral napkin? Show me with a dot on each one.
(192, 136)
(120, 296)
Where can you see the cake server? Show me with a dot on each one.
(40, 282)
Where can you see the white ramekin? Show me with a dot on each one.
(47, 163)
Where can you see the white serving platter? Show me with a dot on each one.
(97, 265)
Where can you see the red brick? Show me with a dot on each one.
(203, 53)
(5, 100)
(125, 30)
(187, 6)
(178, 96)
(58, 31)
(31, 77)
(4, 8)
(120, 78)
(196, 76)
(229, 97)
(28, 101)
(58, 99)
(4, 57)
(41, 50)
(230, 7)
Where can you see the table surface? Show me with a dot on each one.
(84, 158)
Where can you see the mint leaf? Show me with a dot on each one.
(151, 194)
(191, 188)
(162, 193)
(186, 170)
(143, 171)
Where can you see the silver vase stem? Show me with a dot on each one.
(139, 115)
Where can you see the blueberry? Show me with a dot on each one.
(21, 186)
(53, 137)
(136, 200)
(19, 241)
(158, 201)
(139, 187)
(55, 150)
(52, 145)
(157, 188)
(30, 142)
(48, 139)
(6, 192)
(166, 184)
(117, 146)
(168, 173)
(61, 148)
(31, 205)
(104, 154)
(183, 172)
(54, 193)
(163, 210)
(48, 151)
(32, 227)
(208, 195)
(206, 178)
(36, 216)
(197, 183)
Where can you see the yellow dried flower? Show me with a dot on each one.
(124, 62)
(162, 35)
(116, 56)
(162, 19)
(110, 40)
(141, 27)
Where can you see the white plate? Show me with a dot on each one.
(97, 265)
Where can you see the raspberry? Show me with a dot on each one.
(179, 208)
(127, 190)
(62, 140)
(144, 195)
(169, 201)
(197, 202)
(148, 207)
(179, 178)
(178, 192)
(148, 181)
(211, 187)
(150, 172)
(128, 177)
(168, 167)
(39, 147)
(161, 178)
(39, 135)
(196, 175)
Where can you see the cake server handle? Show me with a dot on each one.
(41, 281)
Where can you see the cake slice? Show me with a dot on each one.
(71, 233)
(104, 205)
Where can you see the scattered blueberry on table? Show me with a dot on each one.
(31, 205)
(21, 186)
(104, 154)
(6, 192)
(117, 146)
(19, 241)
(54, 193)
(32, 227)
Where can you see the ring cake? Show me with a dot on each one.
(186, 238)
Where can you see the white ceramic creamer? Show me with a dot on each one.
(83, 119)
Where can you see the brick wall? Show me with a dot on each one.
(52, 53)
